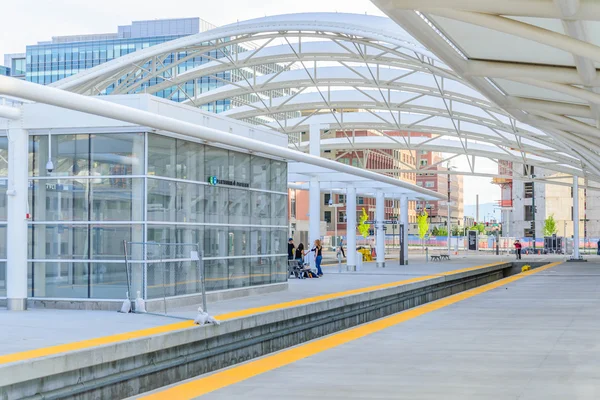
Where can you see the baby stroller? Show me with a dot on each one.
(295, 269)
(307, 272)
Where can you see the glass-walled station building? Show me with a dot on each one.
(113, 182)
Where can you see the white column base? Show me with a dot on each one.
(16, 304)
(380, 265)
(351, 268)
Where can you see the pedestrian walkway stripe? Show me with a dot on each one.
(121, 337)
(218, 380)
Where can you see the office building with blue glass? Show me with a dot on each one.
(4, 70)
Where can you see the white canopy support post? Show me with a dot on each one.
(351, 228)
(576, 255)
(380, 238)
(405, 222)
(17, 196)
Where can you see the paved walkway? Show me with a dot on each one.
(528, 337)
(38, 328)
(44, 328)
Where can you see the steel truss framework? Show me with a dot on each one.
(537, 60)
(345, 73)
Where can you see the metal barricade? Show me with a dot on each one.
(164, 271)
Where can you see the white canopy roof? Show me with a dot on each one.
(299, 175)
(537, 60)
(348, 72)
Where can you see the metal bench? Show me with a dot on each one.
(445, 257)
(435, 257)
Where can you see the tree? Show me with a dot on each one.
(363, 227)
(480, 228)
(550, 226)
(456, 231)
(441, 231)
(423, 224)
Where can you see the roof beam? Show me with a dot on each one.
(528, 8)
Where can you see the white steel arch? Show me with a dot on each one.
(347, 72)
(538, 60)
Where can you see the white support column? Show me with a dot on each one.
(380, 217)
(575, 219)
(17, 194)
(449, 228)
(314, 218)
(351, 228)
(404, 220)
(314, 210)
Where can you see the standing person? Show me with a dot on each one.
(341, 249)
(300, 254)
(291, 248)
(599, 247)
(518, 247)
(318, 249)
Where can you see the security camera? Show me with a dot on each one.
(330, 202)
(49, 166)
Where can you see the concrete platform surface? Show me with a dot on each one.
(535, 338)
(42, 328)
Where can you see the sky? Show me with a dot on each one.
(26, 22)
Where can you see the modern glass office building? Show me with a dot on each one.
(4, 70)
(63, 56)
(114, 185)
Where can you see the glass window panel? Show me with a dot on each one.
(239, 272)
(69, 154)
(279, 208)
(279, 176)
(260, 270)
(261, 208)
(109, 280)
(2, 279)
(3, 242)
(117, 199)
(260, 243)
(161, 156)
(60, 242)
(62, 280)
(260, 168)
(107, 240)
(216, 274)
(216, 241)
(190, 202)
(190, 161)
(216, 162)
(3, 156)
(239, 207)
(239, 165)
(239, 240)
(161, 200)
(118, 154)
(278, 241)
(216, 207)
(3, 200)
(59, 199)
(279, 272)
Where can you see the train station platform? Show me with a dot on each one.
(56, 342)
(36, 332)
(529, 336)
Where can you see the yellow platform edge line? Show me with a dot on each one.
(121, 337)
(218, 380)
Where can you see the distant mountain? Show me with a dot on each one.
(484, 211)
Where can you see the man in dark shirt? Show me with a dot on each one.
(291, 248)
